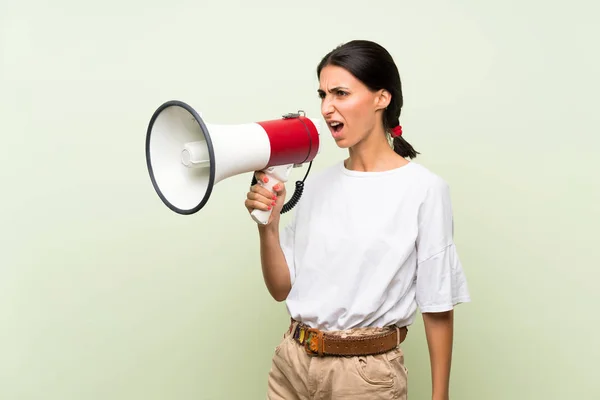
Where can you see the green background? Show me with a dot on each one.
(106, 294)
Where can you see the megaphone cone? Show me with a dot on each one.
(186, 157)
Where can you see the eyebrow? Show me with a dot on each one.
(333, 89)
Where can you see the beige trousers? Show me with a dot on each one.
(296, 375)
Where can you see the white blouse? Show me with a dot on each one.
(368, 248)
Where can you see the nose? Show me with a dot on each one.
(326, 107)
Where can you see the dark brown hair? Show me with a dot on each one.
(373, 65)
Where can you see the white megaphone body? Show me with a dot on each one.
(186, 157)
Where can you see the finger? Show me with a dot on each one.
(279, 189)
(257, 205)
(261, 176)
(269, 198)
(258, 189)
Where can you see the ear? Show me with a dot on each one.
(382, 99)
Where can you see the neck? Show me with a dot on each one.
(373, 154)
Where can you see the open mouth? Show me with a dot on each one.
(336, 126)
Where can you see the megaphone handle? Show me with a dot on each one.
(276, 175)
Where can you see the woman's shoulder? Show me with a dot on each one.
(434, 189)
(427, 177)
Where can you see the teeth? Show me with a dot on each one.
(334, 123)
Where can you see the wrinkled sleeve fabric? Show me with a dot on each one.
(441, 283)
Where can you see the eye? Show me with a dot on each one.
(321, 94)
(341, 93)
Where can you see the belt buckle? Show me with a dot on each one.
(313, 342)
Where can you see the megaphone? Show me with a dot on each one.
(186, 156)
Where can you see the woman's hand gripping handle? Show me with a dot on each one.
(266, 199)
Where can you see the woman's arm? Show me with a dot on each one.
(439, 329)
(274, 266)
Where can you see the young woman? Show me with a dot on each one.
(370, 242)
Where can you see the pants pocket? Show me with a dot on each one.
(375, 370)
(286, 337)
(396, 360)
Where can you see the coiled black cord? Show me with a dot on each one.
(298, 190)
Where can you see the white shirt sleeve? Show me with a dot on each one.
(441, 283)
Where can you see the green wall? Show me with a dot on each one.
(106, 294)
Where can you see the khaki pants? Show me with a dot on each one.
(296, 375)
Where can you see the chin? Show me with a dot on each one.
(345, 142)
(342, 143)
